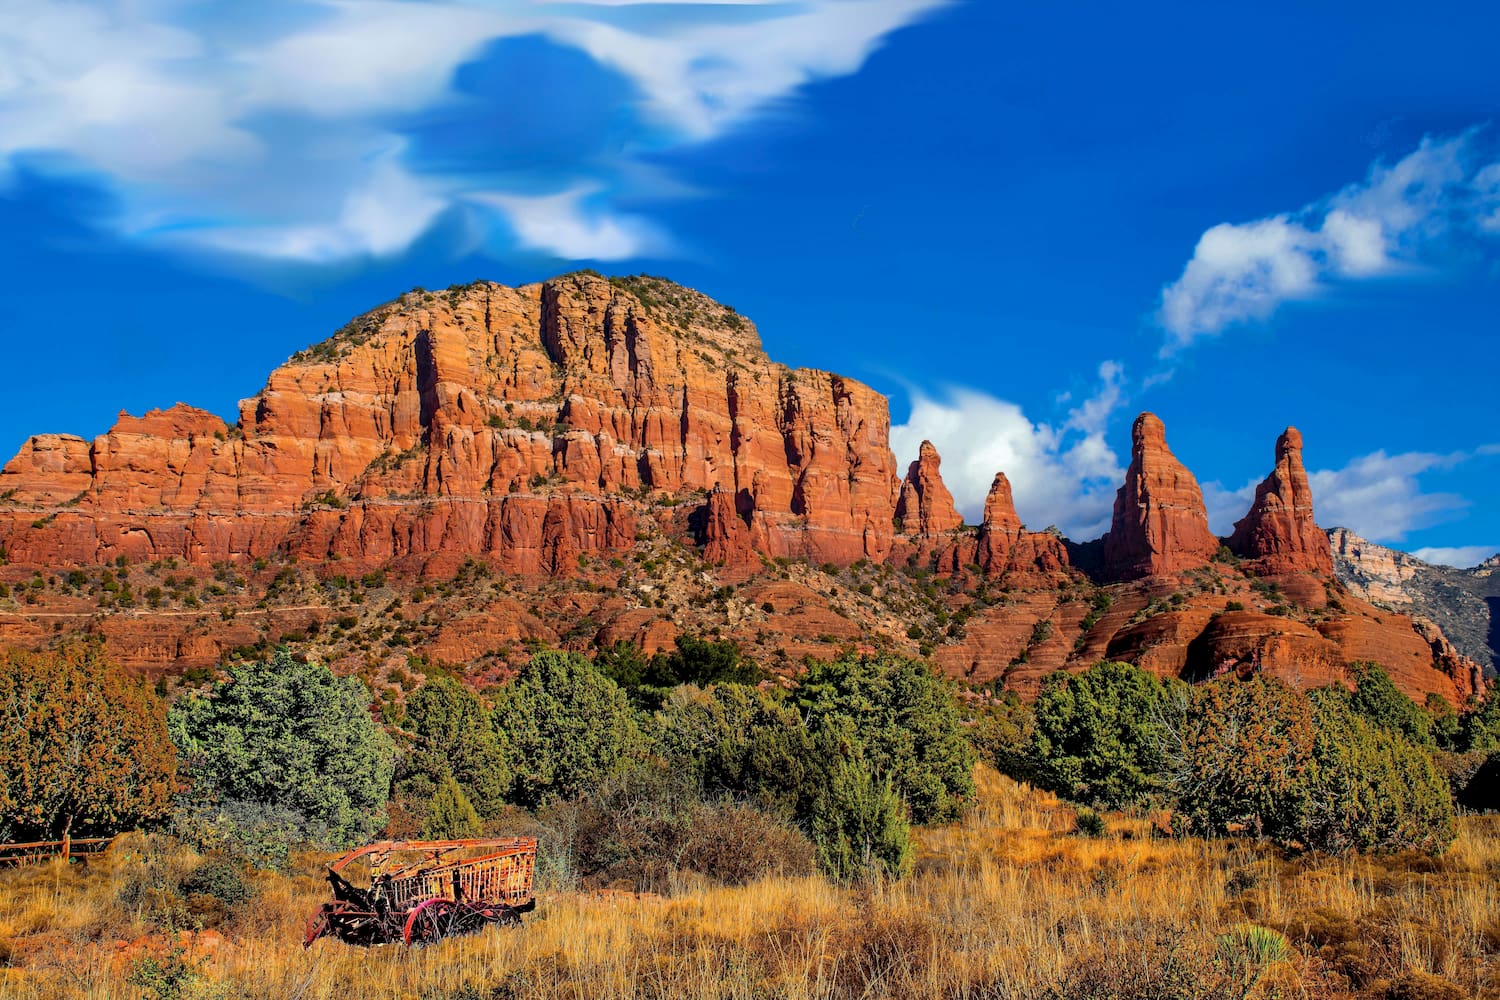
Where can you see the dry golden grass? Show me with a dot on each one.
(1009, 903)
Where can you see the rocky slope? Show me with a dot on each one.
(1465, 603)
(455, 475)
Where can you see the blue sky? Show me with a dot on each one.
(1026, 223)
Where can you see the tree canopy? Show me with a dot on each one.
(83, 746)
(293, 738)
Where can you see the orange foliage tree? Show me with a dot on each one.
(83, 746)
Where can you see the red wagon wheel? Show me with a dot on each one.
(429, 921)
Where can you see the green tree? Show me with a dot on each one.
(290, 736)
(455, 736)
(859, 825)
(1099, 735)
(1447, 728)
(1242, 758)
(700, 662)
(900, 719)
(563, 727)
(83, 746)
(450, 816)
(738, 740)
(1481, 724)
(1376, 698)
(1370, 788)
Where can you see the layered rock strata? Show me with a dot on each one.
(1160, 525)
(1279, 532)
(515, 423)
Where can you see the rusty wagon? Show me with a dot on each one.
(423, 890)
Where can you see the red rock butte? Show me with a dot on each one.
(534, 428)
(1160, 525)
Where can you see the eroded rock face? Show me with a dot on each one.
(513, 422)
(1279, 532)
(925, 506)
(1160, 525)
(1007, 549)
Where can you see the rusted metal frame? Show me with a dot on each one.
(437, 847)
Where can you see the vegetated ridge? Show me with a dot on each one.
(456, 475)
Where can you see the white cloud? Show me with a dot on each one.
(1380, 496)
(1226, 506)
(1461, 557)
(1382, 225)
(561, 225)
(273, 130)
(1064, 475)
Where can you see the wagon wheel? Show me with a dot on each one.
(430, 921)
(317, 925)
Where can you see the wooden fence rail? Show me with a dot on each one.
(41, 850)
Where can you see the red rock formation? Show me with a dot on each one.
(1279, 532)
(1007, 549)
(725, 535)
(1160, 525)
(517, 423)
(925, 506)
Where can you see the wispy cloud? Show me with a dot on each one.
(1462, 557)
(1065, 474)
(1388, 223)
(283, 130)
(1379, 496)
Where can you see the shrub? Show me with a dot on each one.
(456, 737)
(1377, 699)
(1089, 823)
(859, 826)
(1099, 734)
(220, 878)
(83, 746)
(1370, 789)
(695, 661)
(292, 737)
(648, 826)
(563, 727)
(1002, 736)
(450, 816)
(736, 740)
(900, 719)
(1241, 757)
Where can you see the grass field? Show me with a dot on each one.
(1012, 902)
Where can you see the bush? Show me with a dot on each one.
(1002, 736)
(1241, 758)
(1099, 734)
(1370, 789)
(1088, 823)
(1377, 699)
(859, 826)
(649, 826)
(898, 718)
(83, 746)
(563, 728)
(291, 742)
(450, 815)
(455, 737)
(218, 878)
(695, 661)
(738, 741)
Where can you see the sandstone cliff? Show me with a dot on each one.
(1465, 603)
(1160, 525)
(1279, 533)
(455, 475)
(516, 423)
